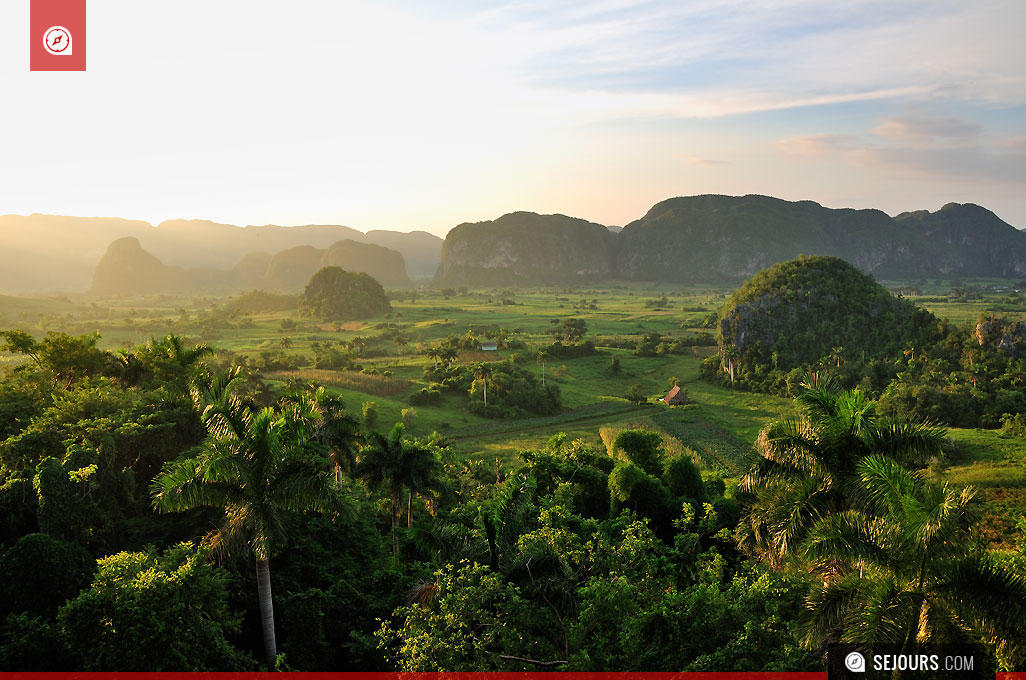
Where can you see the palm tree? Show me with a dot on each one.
(482, 372)
(505, 518)
(254, 463)
(394, 462)
(807, 463)
(900, 568)
(338, 431)
(543, 358)
(172, 347)
(381, 466)
(423, 473)
(172, 359)
(400, 342)
(730, 356)
(449, 356)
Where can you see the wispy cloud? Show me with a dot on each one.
(817, 145)
(698, 160)
(778, 53)
(926, 131)
(924, 145)
(1017, 143)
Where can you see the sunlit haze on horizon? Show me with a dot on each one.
(408, 115)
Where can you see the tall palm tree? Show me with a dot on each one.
(338, 431)
(381, 466)
(901, 568)
(254, 463)
(543, 358)
(806, 464)
(423, 473)
(449, 356)
(400, 342)
(482, 372)
(394, 463)
(505, 518)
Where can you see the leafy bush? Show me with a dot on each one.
(429, 396)
(683, 479)
(158, 612)
(1014, 425)
(636, 394)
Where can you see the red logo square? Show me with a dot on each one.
(58, 40)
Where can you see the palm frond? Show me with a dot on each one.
(989, 596)
(906, 441)
(885, 486)
(884, 614)
(852, 538)
(819, 399)
(828, 607)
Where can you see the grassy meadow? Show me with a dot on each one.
(717, 428)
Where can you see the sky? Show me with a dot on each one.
(423, 115)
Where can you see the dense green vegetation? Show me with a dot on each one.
(803, 311)
(334, 294)
(356, 464)
(820, 316)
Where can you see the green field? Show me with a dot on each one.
(719, 427)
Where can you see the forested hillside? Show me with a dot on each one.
(820, 316)
(726, 239)
(525, 249)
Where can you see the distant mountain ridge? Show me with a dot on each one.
(714, 238)
(707, 238)
(525, 248)
(56, 253)
(128, 269)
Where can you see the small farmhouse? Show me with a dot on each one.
(489, 346)
(676, 397)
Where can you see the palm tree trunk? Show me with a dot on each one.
(263, 572)
(409, 510)
(395, 522)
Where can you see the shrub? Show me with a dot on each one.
(370, 414)
(682, 478)
(429, 396)
(636, 394)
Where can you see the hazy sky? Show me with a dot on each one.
(421, 115)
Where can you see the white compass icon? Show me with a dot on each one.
(57, 41)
